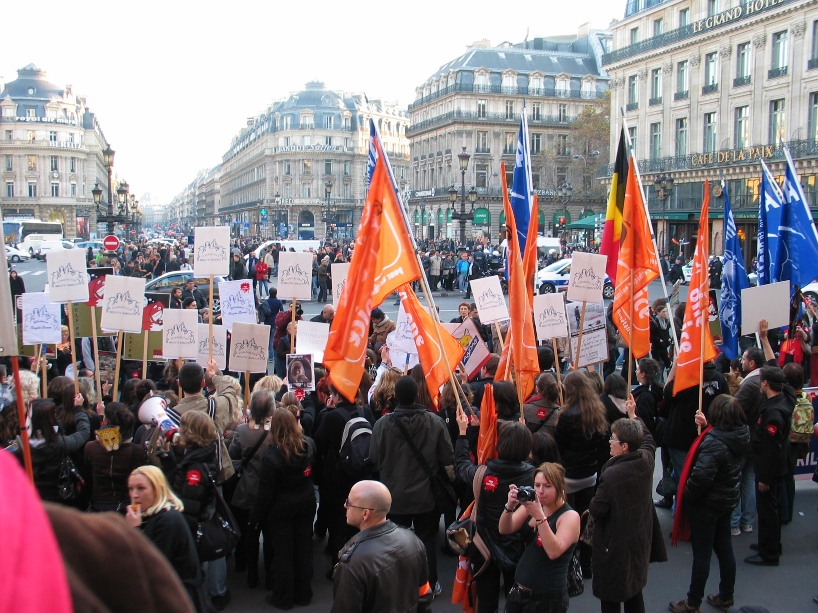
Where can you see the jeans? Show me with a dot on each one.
(677, 462)
(461, 281)
(426, 526)
(216, 576)
(706, 537)
(745, 511)
(634, 604)
(488, 586)
(263, 288)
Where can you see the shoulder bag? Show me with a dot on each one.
(462, 534)
(218, 536)
(230, 485)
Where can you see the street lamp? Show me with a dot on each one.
(564, 192)
(277, 223)
(663, 184)
(110, 218)
(329, 217)
(463, 216)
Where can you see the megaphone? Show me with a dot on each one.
(153, 410)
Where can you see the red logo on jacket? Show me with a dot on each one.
(539, 542)
(308, 471)
(194, 477)
(490, 483)
(772, 429)
(541, 413)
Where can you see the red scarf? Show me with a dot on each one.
(681, 523)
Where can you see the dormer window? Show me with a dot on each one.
(31, 91)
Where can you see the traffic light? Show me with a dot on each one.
(562, 221)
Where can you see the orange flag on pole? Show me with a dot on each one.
(487, 439)
(433, 357)
(691, 352)
(637, 266)
(612, 234)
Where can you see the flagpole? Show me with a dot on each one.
(704, 321)
(630, 338)
(557, 364)
(650, 226)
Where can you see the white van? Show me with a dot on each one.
(49, 246)
(297, 246)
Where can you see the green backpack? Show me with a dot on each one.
(803, 420)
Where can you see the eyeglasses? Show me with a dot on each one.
(613, 440)
(352, 506)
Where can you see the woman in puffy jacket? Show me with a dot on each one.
(510, 467)
(710, 494)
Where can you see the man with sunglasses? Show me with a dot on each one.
(383, 567)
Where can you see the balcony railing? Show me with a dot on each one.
(488, 118)
(774, 73)
(632, 106)
(812, 63)
(681, 95)
(483, 150)
(655, 101)
(741, 81)
(538, 92)
(710, 89)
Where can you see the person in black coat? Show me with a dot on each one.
(18, 288)
(237, 269)
(660, 335)
(710, 493)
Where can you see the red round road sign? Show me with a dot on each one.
(110, 242)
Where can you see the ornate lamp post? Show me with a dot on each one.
(110, 218)
(564, 192)
(463, 216)
(663, 184)
(329, 213)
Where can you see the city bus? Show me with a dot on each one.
(29, 233)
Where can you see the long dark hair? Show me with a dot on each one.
(44, 419)
(579, 391)
(286, 434)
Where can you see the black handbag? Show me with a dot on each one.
(442, 490)
(218, 536)
(230, 485)
(462, 534)
(69, 482)
(667, 485)
(575, 583)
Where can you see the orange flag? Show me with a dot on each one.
(637, 266)
(530, 255)
(689, 362)
(433, 357)
(487, 439)
(346, 345)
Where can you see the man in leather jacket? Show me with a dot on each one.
(383, 567)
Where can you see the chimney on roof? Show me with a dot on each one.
(484, 42)
(584, 29)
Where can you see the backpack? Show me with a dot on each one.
(803, 418)
(353, 456)
(265, 309)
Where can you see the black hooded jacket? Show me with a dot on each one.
(771, 437)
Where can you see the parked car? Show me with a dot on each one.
(15, 255)
(48, 246)
(170, 280)
(555, 277)
(96, 246)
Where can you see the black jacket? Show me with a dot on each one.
(680, 410)
(771, 439)
(712, 488)
(46, 457)
(647, 399)
(285, 487)
(327, 438)
(581, 456)
(187, 471)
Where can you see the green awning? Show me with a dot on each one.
(587, 223)
(674, 216)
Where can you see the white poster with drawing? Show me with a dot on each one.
(550, 319)
(587, 277)
(402, 338)
(66, 276)
(248, 347)
(594, 333)
(41, 319)
(770, 302)
(219, 346)
(122, 304)
(237, 302)
(294, 275)
(211, 251)
(339, 281)
(179, 334)
(488, 296)
(311, 337)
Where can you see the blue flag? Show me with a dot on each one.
(796, 259)
(769, 214)
(520, 196)
(733, 280)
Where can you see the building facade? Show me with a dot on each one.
(51, 148)
(708, 88)
(298, 170)
(474, 102)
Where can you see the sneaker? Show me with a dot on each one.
(735, 531)
(438, 590)
(747, 528)
(681, 606)
(220, 602)
(714, 600)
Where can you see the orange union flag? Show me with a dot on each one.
(691, 351)
(637, 265)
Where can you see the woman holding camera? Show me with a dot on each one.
(551, 528)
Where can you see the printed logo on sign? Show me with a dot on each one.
(123, 304)
(238, 304)
(97, 289)
(41, 319)
(218, 348)
(179, 334)
(552, 317)
(469, 344)
(489, 300)
(248, 349)
(66, 276)
(339, 290)
(587, 279)
(211, 251)
(295, 276)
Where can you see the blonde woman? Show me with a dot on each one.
(157, 511)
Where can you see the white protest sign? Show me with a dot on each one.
(594, 333)
(587, 277)
(179, 334)
(237, 302)
(488, 295)
(41, 319)
(404, 360)
(311, 337)
(8, 333)
(770, 302)
(550, 318)
(67, 280)
(219, 346)
(249, 347)
(476, 351)
(211, 251)
(122, 303)
(339, 281)
(294, 275)
(403, 339)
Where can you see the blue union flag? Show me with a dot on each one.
(733, 280)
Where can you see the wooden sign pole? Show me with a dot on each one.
(118, 360)
(70, 307)
(96, 351)
(210, 324)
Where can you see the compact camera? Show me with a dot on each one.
(526, 493)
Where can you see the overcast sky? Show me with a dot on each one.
(172, 82)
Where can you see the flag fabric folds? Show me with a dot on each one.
(636, 266)
(487, 439)
(733, 280)
(433, 356)
(769, 215)
(796, 257)
(691, 351)
(521, 186)
(612, 234)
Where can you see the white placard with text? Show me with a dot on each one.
(311, 337)
(66, 276)
(249, 347)
(180, 334)
(237, 302)
(587, 277)
(550, 319)
(41, 319)
(211, 251)
(122, 304)
(295, 275)
(219, 345)
(488, 296)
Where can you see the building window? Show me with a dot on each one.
(346, 143)
(712, 7)
(536, 143)
(814, 55)
(742, 64)
(481, 108)
(73, 190)
(70, 138)
(711, 65)
(328, 141)
(510, 145)
(562, 144)
(535, 86)
(328, 122)
(634, 36)
(741, 135)
(482, 142)
(327, 167)
(655, 141)
(509, 83)
(710, 136)
(658, 27)
(780, 50)
(9, 135)
(632, 135)
(72, 165)
(306, 140)
(562, 174)
(778, 120)
(31, 113)
(684, 18)
(812, 124)
(536, 111)
(55, 190)
(53, 163)
(306, 167)
(52, 137)
(8, 112)
(346, 169)
(681, 137)
(481, 83)
(32, 189)
(562, 110)
(8, 159)
(633, 92)
(509, 109)
(347, 191)
(287, 171)
(9, 189)
(287, 119)
(32, 162)
(482, 175)
(306, 190)
(681, 77)
(31, 136)
(656, 84)
(287, 191)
